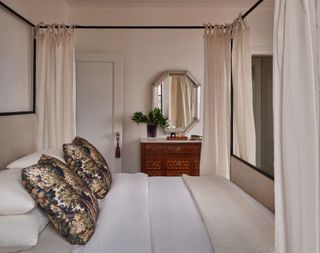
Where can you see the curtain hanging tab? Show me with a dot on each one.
(56, 32)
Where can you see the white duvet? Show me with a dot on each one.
(159, 215)
(124, 221)
(141, 215)
(176, 225)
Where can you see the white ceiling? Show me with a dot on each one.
(165, 3)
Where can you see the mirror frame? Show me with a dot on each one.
(231, 132)
(164, 75)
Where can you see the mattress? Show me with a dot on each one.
(140, 215)
(152, 215)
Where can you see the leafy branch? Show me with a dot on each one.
(154, 117)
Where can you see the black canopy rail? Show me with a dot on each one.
(16, 14)
(129, 27)
(133, 26)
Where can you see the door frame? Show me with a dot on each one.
(116, 59)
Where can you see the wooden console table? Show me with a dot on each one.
(160, 157)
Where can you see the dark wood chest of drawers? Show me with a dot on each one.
(170, 159)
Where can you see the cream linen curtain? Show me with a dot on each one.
(181, 101)
(215, 153)
(244, 134)
(55, 86)
(296, 125)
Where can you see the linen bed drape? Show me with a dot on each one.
(55, 84)
(296, 125)
(215, 152)
(244, 133)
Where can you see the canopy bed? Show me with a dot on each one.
(140, 213)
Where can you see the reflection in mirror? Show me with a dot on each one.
(263, 113)
(177, 94)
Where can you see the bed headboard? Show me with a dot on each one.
(17, 137)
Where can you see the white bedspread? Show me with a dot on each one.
(124, 221)
(144, 215)
(176, 225)
(233, 224)
(158, 215)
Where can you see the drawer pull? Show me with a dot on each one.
(178, 163)
(178, 148)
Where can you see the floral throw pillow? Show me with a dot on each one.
(96, 156)
(76, 182)
(68, 211)
(83, 158)
(93, 152)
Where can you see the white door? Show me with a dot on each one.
(100, 103)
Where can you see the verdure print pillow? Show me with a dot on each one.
(94, 153)
(76, 182)
(83, 158)
(96, 156)
(68, 211)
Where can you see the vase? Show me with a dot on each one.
(152, 131)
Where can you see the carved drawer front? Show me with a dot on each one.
(155, 148)
(172, 148)
(153, 163)
(152, 173)
(184, 148)
(178, 164)
(196, 163)
(170, 159)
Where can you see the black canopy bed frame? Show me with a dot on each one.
(152, 27)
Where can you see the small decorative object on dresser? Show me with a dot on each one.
(160, 157)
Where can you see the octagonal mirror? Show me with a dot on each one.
(177, 94)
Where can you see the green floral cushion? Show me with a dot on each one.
(84, 159)
(71, 213)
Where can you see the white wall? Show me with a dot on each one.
(17, 56)
(148, 52)
(36, 11)
(16, 50)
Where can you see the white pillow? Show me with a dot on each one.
(33, 158)
(19, 232)
(14, 199)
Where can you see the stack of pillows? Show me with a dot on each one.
(65, 189)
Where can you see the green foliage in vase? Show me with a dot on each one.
(154, 118)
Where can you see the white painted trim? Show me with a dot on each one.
(117, 60)
(261, 50)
